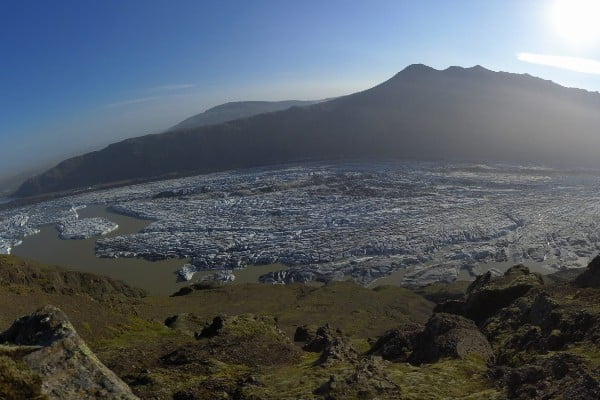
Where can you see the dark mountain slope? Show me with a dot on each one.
(236, 110)
(420, 113)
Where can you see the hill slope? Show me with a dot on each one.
(509, 337)
(420, 113)
(236, 110)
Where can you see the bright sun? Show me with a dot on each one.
(577, 21)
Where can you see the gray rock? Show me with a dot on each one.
(591, 276)
(397, 344)
(69, 369)
(333, 345)
(448, 335)
(488, 294)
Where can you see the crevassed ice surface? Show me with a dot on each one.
(358, 220)
(84, 228)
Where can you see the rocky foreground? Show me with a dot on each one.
(43, 351)
(517, 336)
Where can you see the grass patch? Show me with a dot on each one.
(294, 381)
(18, 382)
(135, 333)
(590, 352)
(445, 380)
(358, 311)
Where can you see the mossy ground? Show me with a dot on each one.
(129, 336)
(441, 292)
(356, 310)
(18, 382)
(446, 379)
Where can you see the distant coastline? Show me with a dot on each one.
(4, 200)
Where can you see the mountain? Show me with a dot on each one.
(236, 110)
(420, 113)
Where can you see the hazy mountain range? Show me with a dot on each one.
(237, 109)
(420, 113)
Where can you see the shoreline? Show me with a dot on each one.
(156, 277)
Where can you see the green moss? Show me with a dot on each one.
(10, 260)
(358, 311)
(137, 331)
(445, 380)
(86, 325)
(361, 345)
(18, 382)
(249, 325)
(294, 381)
(441, 292)
(590, 352)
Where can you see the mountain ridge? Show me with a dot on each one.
(419, 113)
(237, 109)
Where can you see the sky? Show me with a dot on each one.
(78, 75)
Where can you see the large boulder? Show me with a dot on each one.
(590, 278)
(488, 294)
(397, 344)
(449, 336)
(305, 333)
(51, 348)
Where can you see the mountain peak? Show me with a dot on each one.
(413, 70)
(418, 68)
(476, 68)
(455, 68)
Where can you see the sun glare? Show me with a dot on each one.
(577, 21)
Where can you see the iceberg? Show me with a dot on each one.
(75, 228)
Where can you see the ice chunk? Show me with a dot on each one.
(75, 228)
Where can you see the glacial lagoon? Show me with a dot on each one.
(404, 223)
(158, 277)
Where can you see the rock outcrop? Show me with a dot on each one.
(68, 369)
(540, 323)
(444, 336)
(590, 278)
(487, 294)
(397, 344)
(367, 381)
(560, 376)
(305, 333)
(452, 336)
(186, 323)
(333, 345)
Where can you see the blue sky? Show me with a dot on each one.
(75, 75)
